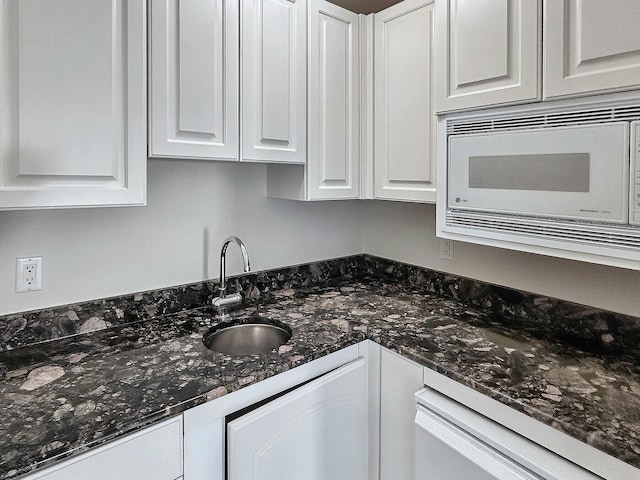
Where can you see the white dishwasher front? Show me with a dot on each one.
(454, 442)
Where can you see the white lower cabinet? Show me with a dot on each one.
(315, 432)
(318, 430)
(400, 379)
(154, 453)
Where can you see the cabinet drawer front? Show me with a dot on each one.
(153, 454)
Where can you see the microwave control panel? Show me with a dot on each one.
(634, 210)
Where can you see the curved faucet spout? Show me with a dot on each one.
(224, 299)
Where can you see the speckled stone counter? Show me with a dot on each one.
(124, 371)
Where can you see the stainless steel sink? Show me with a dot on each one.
(247, 336)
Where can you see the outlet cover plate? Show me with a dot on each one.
(446, 249)
(28, 274)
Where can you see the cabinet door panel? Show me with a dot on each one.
(194, 79)
(404, 119)
(487, 52)
(274, 80)
(72, 103)
(316, 432)
(591, 46)
(333, 159)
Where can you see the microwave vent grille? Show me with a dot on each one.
(538, 120)
(619, 236)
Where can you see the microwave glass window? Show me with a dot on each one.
(553, 172)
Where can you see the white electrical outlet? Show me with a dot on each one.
(28, 274)
(446, 249)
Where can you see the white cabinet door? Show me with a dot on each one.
(194, 69)
(591, 46)
(486, 52)
(72, 103)
(316, 432)
(405, 162)
(333, 160)
(274, 81)
(400, 379)
(154, 453)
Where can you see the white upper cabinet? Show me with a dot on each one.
(405, 162)
(206, 55)
(591, 46)
(72, 103)
(333, 157)
(487, 52)
(194, 65)
(334, 99)
(274, 80)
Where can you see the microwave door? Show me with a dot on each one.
(578, 173)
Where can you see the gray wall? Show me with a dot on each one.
(192, 206)
(406, 232)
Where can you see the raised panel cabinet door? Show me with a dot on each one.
(194, 79)
(591, 46)
(333, 166)
(274, 80)
(404, 151)
(316, 432)
(486, 53)
(72, 103)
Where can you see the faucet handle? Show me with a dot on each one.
(227, 300)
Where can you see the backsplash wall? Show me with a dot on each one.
(191, 207)
(406, 232)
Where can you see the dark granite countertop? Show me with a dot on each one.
(63, 396)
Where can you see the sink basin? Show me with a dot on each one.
(247, 336)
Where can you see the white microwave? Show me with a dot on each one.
(548, 178)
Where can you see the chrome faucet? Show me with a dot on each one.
(224, 300)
